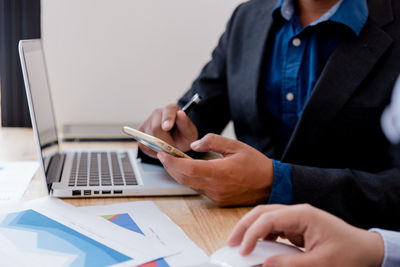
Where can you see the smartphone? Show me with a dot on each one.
(154, 143)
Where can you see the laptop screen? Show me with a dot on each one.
(36, 81)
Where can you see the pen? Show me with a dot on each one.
(191, 104)
(188, 107)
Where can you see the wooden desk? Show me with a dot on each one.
(207, 225)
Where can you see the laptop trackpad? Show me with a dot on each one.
(152, 168)
(156, 175)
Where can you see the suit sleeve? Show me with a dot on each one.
(212, 114)
(363, 199)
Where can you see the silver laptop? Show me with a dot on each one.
(79, 172)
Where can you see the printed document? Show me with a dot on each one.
(146, 218)
(15, 177)
(50, 232)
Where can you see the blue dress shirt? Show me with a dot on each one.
(295, 58)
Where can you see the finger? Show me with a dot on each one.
(154, 129)
(294, 260)
(185, 125)
(168, 117)
(259, 229)
(217, 143)
(192, 173)
(292, 219)
(244, 223)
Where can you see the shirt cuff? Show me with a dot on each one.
(282, 186)
(391, 242)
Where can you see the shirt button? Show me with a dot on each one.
(296, 42)
(289, 96)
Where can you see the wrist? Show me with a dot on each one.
(270, 174)
(374, 249)
(268, 178)
(261, 189)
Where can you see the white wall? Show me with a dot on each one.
(114, 61)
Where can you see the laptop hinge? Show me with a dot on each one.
(55, 168)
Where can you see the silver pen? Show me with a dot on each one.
(188, 107)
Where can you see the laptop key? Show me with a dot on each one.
(101, 169)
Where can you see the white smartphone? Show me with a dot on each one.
(154, 143)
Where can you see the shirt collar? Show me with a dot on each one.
(352, 13)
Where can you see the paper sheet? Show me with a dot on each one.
(14, 178)
(50, 232)
(146, 218)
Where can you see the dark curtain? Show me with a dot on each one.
(19, 19)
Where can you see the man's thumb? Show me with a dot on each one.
(216, 143)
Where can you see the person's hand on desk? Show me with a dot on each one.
(328, 241)
(243, 176)
(162, 120)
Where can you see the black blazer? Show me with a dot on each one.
(339, 156)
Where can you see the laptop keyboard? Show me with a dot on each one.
(101, 169)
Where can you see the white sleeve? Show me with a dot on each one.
(390, 120)
(391, 241)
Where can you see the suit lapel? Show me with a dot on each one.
(256, 41)
(348, 66)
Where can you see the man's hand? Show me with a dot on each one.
(328, 241)
(162, 121)
(243, 176)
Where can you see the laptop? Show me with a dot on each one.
(82, 172)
